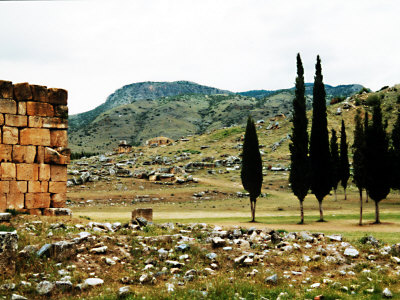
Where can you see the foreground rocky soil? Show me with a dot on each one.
(71, 258)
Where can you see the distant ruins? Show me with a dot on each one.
(33, 148)
(124, 147)
(159, 141)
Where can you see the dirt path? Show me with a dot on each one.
(220, 183)
(340, 226)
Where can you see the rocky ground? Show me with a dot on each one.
(75, 259)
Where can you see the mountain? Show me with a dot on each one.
(144, 110)
(331, 91)
(148, 90)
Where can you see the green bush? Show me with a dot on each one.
(372, 100)
(364, 89)
(6, 228)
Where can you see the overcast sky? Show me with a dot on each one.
(92, 48)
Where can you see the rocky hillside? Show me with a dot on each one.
(331, 91)
(143, 91)
(144, 110)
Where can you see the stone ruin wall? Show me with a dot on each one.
(33, 147)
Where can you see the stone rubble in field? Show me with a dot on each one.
(98, 247)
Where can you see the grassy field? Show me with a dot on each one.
(278, 210)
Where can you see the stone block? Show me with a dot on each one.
(6, 89)
(5, 217)
(34, 187)
(38, 186)
(22, 91)
(21, 108)
(61, 111)
(61, 156)
(27, 171)
(58, 138)
(41, 109)
(37, 200)
(1, 120)
(3, 201)
(8, 106)
(23, 154)
(35, 136)
(58, 173)
(10, 135)
(7, 171)
(58, 212)
(47, 122)
(57, 187)
(55, 123)
(34, 211)
(18, 187)
(40, 155)
(44, 186)
(15, 201)
(8, 252)
(57, 204)
(58, 96)
(44, 172)
(35, 121)
(58, 200)
(4, 187)
(146, 213)
(16, 120)
(39, 93)
(5, 153)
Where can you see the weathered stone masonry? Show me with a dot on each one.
(33, 147)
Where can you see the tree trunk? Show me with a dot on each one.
(361, 207)
(345, 194)
(253, 208)
(334, 192)
(301, 212)
(321, 213)
(366, 201)
(377, 220)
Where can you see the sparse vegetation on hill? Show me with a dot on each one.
(180, 110)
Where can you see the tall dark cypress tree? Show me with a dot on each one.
(344, 160)
(366, 125)
(251, 173)
(359, 159)
(377, 158)
(395, 154)
(299, 168)
(320, 158)
(335, 162)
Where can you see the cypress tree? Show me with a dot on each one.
(344, 160)
(335, 161)
(359, 158)
(251, 173)
(320, 159)
(377, 166)
(395, 154)
(366, 125)
(299, 168)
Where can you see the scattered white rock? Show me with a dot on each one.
(352, 252)
(315, 285)
(99, 250)
(387, 293)
(17, 297)
(89, 282)
(45, 287)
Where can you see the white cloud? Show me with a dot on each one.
(92, 48)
